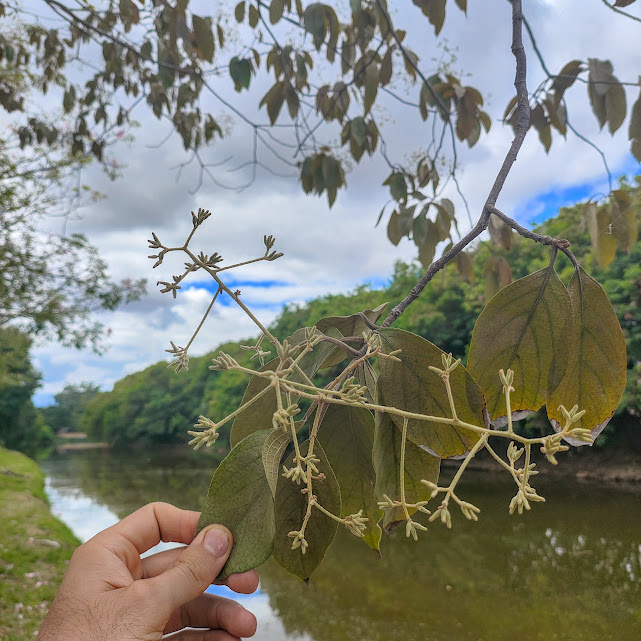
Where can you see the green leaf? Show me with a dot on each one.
(367, 377)
(420, 229)
(462, 5)
(314, 22)
(615, 106)
(386, 67)
(273, 99)
(634, 130)
(397, 186)
(240, 70)
(427, 248)
(443, 223)
(239, 11)
(435, 12)
(393, 229)
(411, 386)
(359, 130)
(334, 32)
(525, 327)
(276, 9)
(600, 80)
(293, 103)
(604, 245)
(240, 499)
(566, 78)
(623, 3)
(273, 450)
(371, 86)
(257, 416)
(291, 507)
(545, 136)
(69, 99)
(322, 352)
(597, 102)
(146, 50)
(597, 366)
(254, 16)
(353, 325)
(386, 457)
(347, 437)
(557, 115)
(331, 172)
(203, 37)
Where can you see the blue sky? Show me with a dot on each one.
(547, 203)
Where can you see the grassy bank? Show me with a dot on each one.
(34, 547)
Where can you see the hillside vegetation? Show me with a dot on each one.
(156, 405)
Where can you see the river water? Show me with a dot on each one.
(568, 570)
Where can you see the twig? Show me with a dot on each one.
(623, 13)
(521, 130)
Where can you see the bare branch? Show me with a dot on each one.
(521, 130)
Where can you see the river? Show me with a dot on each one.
(568, 570)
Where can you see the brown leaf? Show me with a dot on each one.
(525, 327)
(623, 214)
(411, 386)
(566, 77)
(604, 244)
(386, 67)
(615, 107)
(597, 365)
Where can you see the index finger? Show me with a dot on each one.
(154, 523)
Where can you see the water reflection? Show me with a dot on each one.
(570, 569)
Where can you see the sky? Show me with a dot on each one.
(332, 250)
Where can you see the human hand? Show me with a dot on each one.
(110, 594)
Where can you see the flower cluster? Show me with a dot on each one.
(223, 362)
(207, 436)
(181, 360)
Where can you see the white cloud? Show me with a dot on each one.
(334, 250)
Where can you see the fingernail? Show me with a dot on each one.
(217, 541)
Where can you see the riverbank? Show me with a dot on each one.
(35, 547)
(615, 467)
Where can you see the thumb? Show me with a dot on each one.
(193, 571)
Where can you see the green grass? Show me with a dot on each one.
(31, 566)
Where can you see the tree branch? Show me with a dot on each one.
(522, 127)
(562, 244)
(623, 13)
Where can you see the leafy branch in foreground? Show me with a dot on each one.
(366, 453)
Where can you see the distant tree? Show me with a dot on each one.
(69, 406)
(51, 285)
(21, 425)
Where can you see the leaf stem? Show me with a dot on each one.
(202, 321)
(402, 470)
